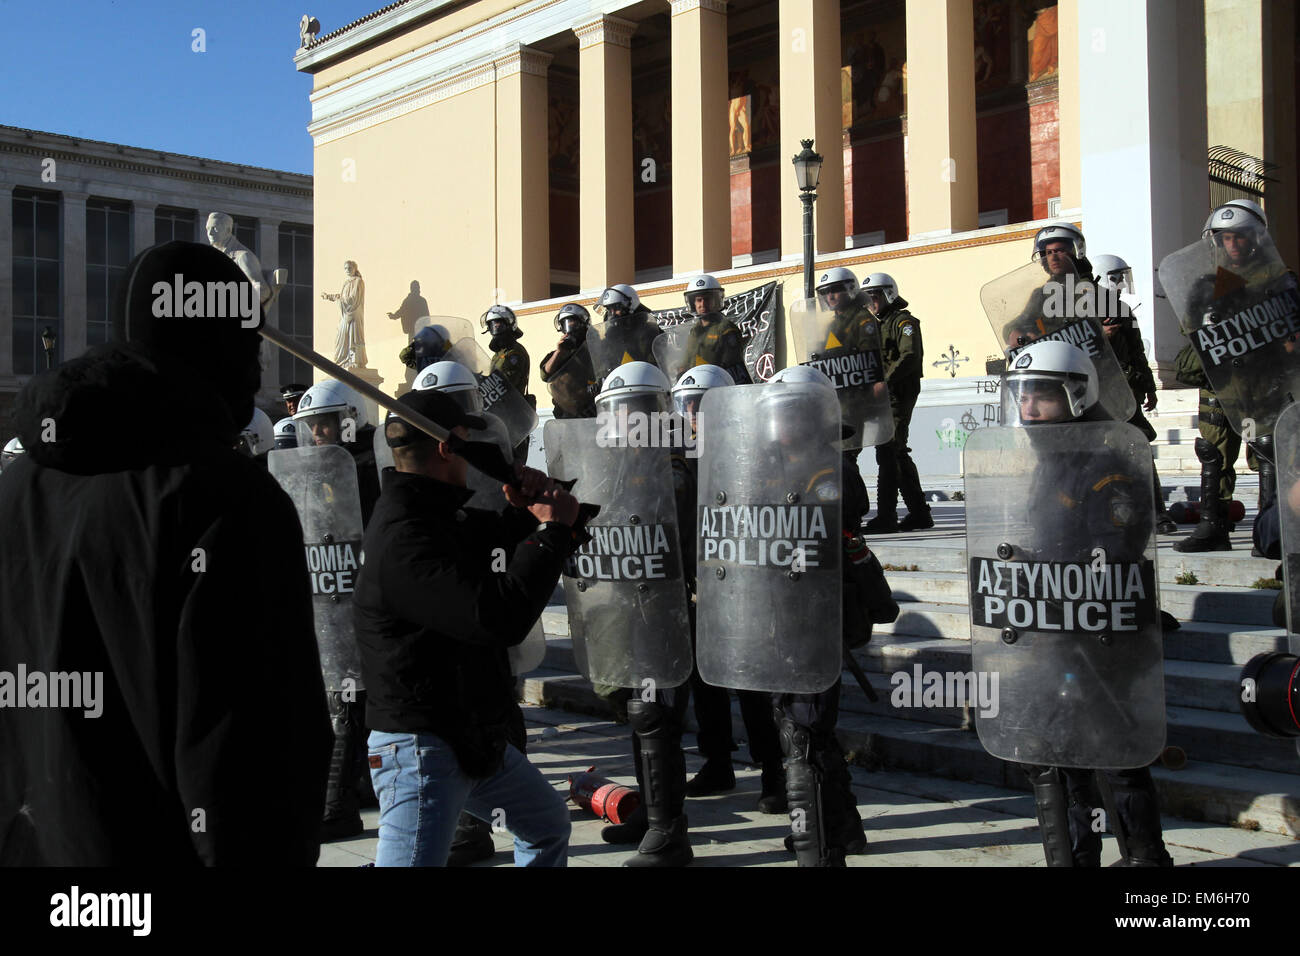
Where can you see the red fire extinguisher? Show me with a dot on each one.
(606, 799)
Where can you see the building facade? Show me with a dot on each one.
(533, 153)
(73, 214)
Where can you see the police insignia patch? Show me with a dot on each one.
(828, 493)
(907, 330)
(1122, 512)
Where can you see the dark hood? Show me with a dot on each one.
(165, 384)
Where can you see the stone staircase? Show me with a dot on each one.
(1232, 775)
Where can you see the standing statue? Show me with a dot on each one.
(350, 343)
(221, 235)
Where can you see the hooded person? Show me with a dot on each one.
(124, 552)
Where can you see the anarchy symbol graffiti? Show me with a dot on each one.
(764, 366)
(968, 421)
(950, 361)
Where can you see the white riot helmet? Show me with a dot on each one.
(1058, 232)
(570, 313)
(690, 388)
(1236, 215)
(1113, 273)
(286, 433)
(454, 379)
(837, 279)
(258, 436)
(778, 402)
(617, 301)
(498, 313)
(707, 286)
(882, 283)
(13, 448)
(1048, 382)
(637, 386)
(326, 398)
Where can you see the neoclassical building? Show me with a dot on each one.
(532, 153)
(74, 212)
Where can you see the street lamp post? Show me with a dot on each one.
(807, 170)
(48, 340)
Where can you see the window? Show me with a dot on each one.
(246, 232)
(173, 224)
(38, 286)
(294, 307)
(108, 253)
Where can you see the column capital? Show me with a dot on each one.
(686, 6)
(604, 29)
(522, 59)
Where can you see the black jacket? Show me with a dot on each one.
(211, 677)
(434, 619)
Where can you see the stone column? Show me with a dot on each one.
(607, 251)
(811, 106)
(942, 185)
(1067, 88)
(1142, 133)
(73, 334)
(523, 195)
(1281, 199)
(701, 162)
(6, 281)
(142, 226)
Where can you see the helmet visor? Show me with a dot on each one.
(1041, 399)
(834, 296)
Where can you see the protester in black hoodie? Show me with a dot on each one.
(171, 565)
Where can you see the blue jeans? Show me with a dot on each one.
(421, 791)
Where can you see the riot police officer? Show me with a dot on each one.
(900, 336)
(627, 333)
(291, 394)
(1085, 497)
(428, 345)
(567, 370)
(616, 643)
(13, 448)
(825, 821)
(257, 437)
(1115, 275)
(713, 338)
(1237, 227)
(712, 704)
(286, 433)
(328, 413)
(508, 356)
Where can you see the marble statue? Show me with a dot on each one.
(350, 342)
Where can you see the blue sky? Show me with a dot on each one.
(124, 71)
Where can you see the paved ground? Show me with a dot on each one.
(911, 819)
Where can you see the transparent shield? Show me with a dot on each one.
(768, 525)
(500, 398)
(847, 349)
(1243, 319)
(1028, 304)
(1065, 625)
(322, 483)
(617, 342)
(1287, 447)
(625, 588)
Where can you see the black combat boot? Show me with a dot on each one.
(342, 813)
(1164, 523)
(1052, 807)
(1212, 532)
(716, 776)
(1267, 479)
(843, 823)
(1137, 813)
(803, 790)
(663, 776)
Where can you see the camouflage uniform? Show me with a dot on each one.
(903, 353)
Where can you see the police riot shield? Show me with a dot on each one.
(383, 454)
(619, 341)
(1065, 628)
(848, 352)
(452, 328)
(574, 386)
(1243, 319)
(322, 482)
(1028, 304)
(499, 397)
(624, 587)
(672, 352)
(768, 614)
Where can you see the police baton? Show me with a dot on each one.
(484, 456)
(859, 675)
